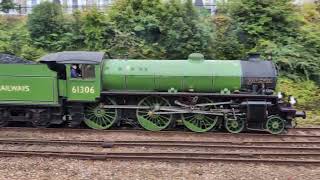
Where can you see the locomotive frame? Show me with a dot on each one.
(77, 100)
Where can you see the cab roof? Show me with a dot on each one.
(74, 57)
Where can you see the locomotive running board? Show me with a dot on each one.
(149, 93)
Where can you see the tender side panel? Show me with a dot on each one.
(28, 89)
(28, 84)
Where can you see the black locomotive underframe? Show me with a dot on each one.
(232, 105)
(181, 103)
(37, 115)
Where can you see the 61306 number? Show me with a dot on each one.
(83, 90)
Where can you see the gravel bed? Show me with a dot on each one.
(143, 149)
(55, 168)
(113, 136)
(47, 168)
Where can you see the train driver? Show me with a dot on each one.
(75, 71)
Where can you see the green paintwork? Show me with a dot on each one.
(275, 124)
(28, 84)
(80, 89)
(100, 118)
(150, 121)
(200, 122)
(235, 125)
(62, 88)
(162, 75)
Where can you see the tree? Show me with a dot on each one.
(275, 20)
(159, 29)
(280, 29)
(95, 28)
(7, 5)
(47, 25)
(15, 39)
(136, 28)
(226, 44)
(184, 31)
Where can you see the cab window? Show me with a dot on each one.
(82, 71)
(88, 71)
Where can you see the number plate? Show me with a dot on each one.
(83, 90)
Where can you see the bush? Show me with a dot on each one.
(48, 27)
(7, 5)
(17, 41)
(289, 34)
(307, 92)
(267, 19)
(226, 44)
(95, 29)
(160, 29)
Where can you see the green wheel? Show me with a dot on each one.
(98, 117)
(148, 117)
(275, 124)
(234, 125)
(200, 122)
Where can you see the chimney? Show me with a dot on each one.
(254, 57)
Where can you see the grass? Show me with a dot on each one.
(313, 119)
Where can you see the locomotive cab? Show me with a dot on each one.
(85, 87)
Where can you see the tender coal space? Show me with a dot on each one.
(11, 59)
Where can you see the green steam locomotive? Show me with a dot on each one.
(196, 94)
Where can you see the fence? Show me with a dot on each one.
(24, 10)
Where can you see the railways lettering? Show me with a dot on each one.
(14, 88)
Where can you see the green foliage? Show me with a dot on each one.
(266, 19)
(173, 29)
(31, 53)
(226, 44)
(160, 29)
(317, 3)
(137, 28)
(308, 95)
(7, 5)
(184, 31)
(17, 41)
(95, 29)
(289, 34)
(48, 27)
(293, 60)
(307, 92)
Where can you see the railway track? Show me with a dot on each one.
(181, 156)
(294, 132)
(189, 144)
(290, 155)
(292, 148)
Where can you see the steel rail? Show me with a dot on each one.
(184, 144)
(167, 132)
(307, 129)
(213, 157)
(66, 141)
